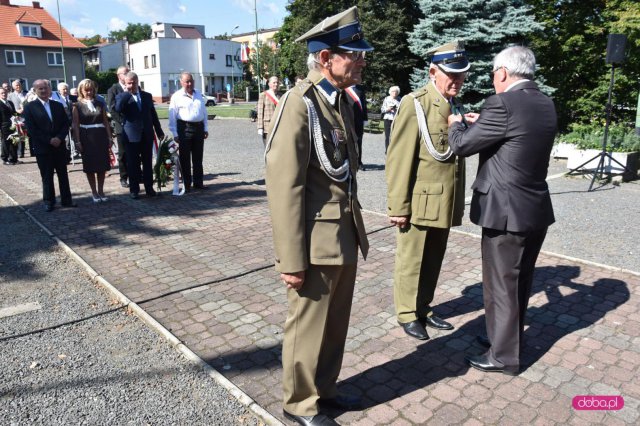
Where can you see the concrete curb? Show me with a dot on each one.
(154, 325)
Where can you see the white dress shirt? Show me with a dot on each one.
(187, 108)
(47, 108)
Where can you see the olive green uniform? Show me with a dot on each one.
(431, 192)
(317, 228)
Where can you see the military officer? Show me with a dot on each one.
(425, 188)
(311, 163)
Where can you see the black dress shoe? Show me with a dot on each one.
(483, 340)
(200, 186)
(124, 183)
(482, 363)
(342, 402)
(134, 195)
(317, 420)
(437, 322)
(415, 329)
(48, 208)
(151, 193)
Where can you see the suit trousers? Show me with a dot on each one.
(419, 254)
(508, 263)
(139, 153)
(122, 158)
(56, 162)
(314, 336)
(9, 150)
(191, 136)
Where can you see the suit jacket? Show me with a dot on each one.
(314, 219)
(6, 111)
(514, 136)
(42, 129)
(56, 96)
(360, 112)
(138, 124)
(114, 91)
(418, 185)
(266, 108)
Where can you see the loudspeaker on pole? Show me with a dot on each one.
(615, 48)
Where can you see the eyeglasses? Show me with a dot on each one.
(493, 71)
(353, 55)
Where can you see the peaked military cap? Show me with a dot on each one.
(450, 57)
(342, 31)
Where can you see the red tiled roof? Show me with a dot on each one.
(9, 35)
(187, 32)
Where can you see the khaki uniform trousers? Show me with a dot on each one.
(419, 254)
(314, 336)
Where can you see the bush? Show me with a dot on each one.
(588, 136)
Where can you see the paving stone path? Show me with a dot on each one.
(202, 266)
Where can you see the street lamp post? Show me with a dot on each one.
(233, 65)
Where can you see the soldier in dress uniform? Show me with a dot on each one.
(311, 164)
(425, 188)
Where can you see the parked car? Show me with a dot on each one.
(210, 100)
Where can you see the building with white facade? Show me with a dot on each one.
(175, 48)
(107, 56)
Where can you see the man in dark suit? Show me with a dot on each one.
(514, 135)
(139, 119)
(358, 102)
(9, 152)
(114, 91)
(48, 126)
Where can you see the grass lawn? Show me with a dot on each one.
(235, 111)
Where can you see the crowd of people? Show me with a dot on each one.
(62, 122)
(313, 145)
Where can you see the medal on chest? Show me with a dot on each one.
(339, 141)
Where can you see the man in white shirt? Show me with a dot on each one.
(188, 123)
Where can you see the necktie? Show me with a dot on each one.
(47, 108)
(138, 101)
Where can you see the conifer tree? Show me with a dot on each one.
(486, 26)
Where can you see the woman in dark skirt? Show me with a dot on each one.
(92, 133)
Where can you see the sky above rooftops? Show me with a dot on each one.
(86, 18)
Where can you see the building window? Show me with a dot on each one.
(153, 61)
(55, 82)
(29, 30)
(229, 60)
(14, 57)
(146, 62)
(54, 58)
(212, 56)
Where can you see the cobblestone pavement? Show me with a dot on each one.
(201, 265)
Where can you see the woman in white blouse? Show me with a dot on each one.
(389, 108)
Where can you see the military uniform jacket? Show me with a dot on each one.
(316, 219)
(428, 190)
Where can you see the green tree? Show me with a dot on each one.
(486, 26)
(385, 25)
(104, 79)
(571, 52)
(92, 41)
(133, 33)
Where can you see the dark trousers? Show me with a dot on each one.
(508, 263)
(122, 158)
(191, 136)
(387, 133)
(56, 162)
(9, 151)
(139, 154)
